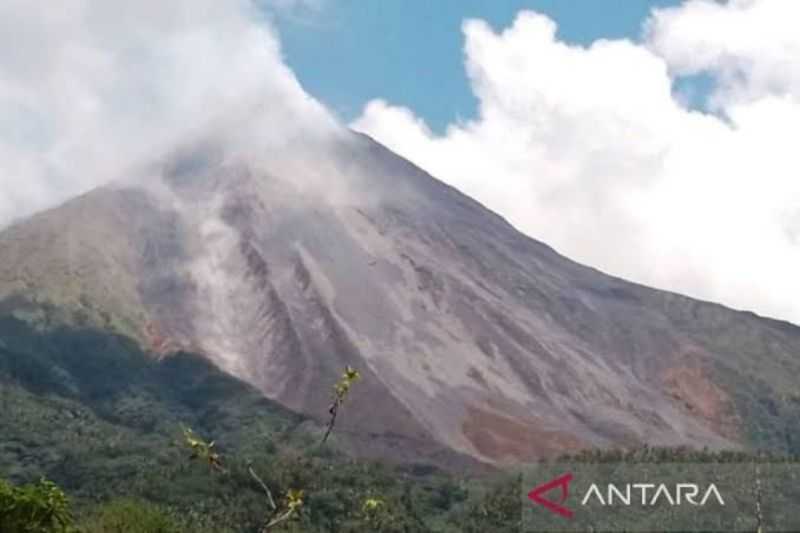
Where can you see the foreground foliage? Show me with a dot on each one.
(104, 421)
(36, 508)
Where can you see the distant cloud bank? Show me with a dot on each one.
(593, 150)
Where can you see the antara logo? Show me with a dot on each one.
(644, 494)
(677, 495)
(536, 495)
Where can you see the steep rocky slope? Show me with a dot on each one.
(471, 336)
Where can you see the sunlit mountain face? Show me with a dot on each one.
(474, 340)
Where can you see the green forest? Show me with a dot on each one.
(98, 437)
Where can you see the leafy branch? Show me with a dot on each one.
(293, 500)
(203, 450)
(340, 392)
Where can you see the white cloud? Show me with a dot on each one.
(89, 88)
(751, 46)
(588, 149)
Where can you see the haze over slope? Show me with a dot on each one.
(470, 335)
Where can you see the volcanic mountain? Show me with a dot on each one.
(471, 337)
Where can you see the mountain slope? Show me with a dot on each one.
(92, 411)
(470, 335)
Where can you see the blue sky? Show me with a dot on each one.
(410, 53)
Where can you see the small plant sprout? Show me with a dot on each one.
(203, 450)
(294, 499)
(371, 505)
(340, 391)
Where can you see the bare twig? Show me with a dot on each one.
(294, 498)
(263, 486)
(282, 518)
(759, 515)
(294, 501)
(334, 410)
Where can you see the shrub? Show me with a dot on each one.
(131, 516)
(34, 508)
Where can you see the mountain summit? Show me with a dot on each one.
(471, 337)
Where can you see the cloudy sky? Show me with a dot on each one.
(653, 140)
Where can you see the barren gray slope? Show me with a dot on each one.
(470, 335)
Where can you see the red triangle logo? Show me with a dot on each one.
(537, 495)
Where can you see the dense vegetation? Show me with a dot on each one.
(104, 422)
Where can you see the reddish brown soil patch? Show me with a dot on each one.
(158, 342)
(505, 439)
(155, 340)
(690, 387)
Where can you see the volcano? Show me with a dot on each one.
(471, 337)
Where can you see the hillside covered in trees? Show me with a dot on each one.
(105, 423)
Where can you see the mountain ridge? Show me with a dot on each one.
(470, 334)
